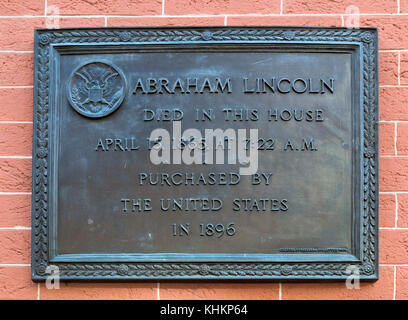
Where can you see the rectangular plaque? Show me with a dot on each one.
(205, 153)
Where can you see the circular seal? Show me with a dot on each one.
(41, 269)
(204, 270)
(288, 35)
(96, 89)
(367, 269)
(286, 270)
(207, 35)
(123, 270)
(367, 37)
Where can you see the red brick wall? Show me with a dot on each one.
(19, 17)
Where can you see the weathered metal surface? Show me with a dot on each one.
(103, 210)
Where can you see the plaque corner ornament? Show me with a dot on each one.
(98, 88)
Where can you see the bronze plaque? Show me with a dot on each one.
(205, 153)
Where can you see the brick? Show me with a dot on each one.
(387, 207)
(65, 22)
(18, 33)
(393, 246)
(15, 175)
(15, 210)
(22, 7)
(392, 30)
(16, 104)
(387, 134)
(402, 210)
(16, 283)
(174, 7)
(403, 6)
(401, 292)
(16, 69)
(393, 103)
(402, 138)
(339, 6)
(393, 174)
(217, 291)
(381, 289)
(165, 21)
(15, 246)
(100, 291)
(404, 68)
(388, 68)
(316, 21)
(107, 7)
(15, 139)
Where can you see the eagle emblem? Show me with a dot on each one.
(96, 89)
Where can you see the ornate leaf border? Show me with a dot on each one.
(368, 267)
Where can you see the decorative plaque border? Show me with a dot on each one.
(45, 39)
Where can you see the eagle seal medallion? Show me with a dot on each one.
(96, 89)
